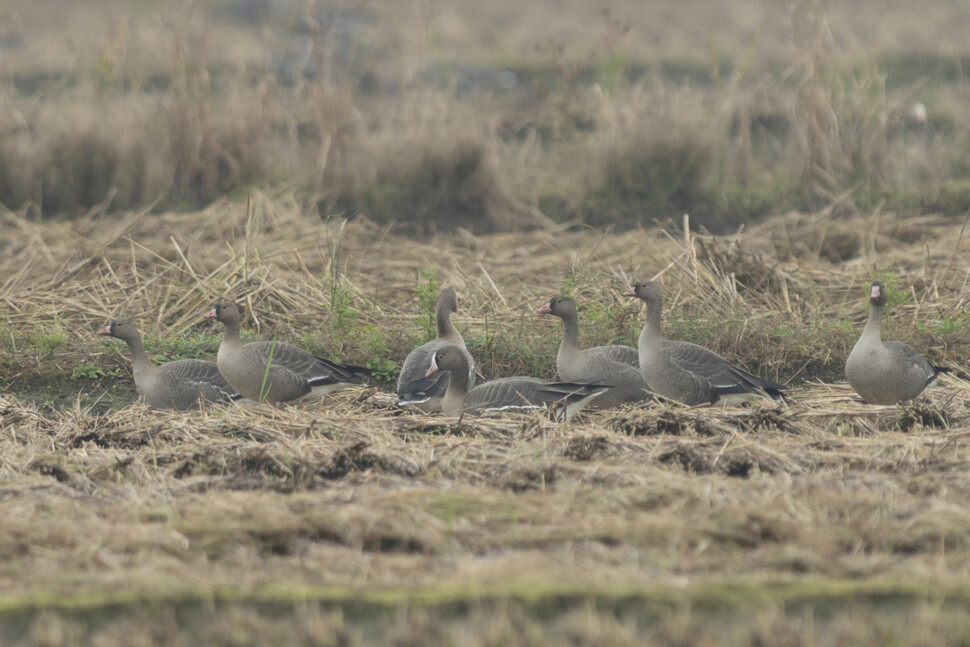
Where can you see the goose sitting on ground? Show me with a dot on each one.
(416, 390)
(271, 371)
(181, 384)
(885, 372)
(686, 372)
(618, 366)
(509, 393)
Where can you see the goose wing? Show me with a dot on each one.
(723, 376)
(288, 360)
(622, 354)
(199, 376)
(522, 393)
(912, 361)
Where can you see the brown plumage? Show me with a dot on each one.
(271, 371)
(885, 372)
(617, 366)
(686, 372)
(509, 393)
(414, 388)
(175, 385)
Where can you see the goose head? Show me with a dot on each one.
(558, 306)
(121, 329)
(225, 312)
(877, 293)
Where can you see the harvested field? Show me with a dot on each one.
(823, 520)
(331, 165)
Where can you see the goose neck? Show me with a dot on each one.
(651, 323)
(872, 328)
(457, 391)
(446, 329)
(570, 331)
(230, 336)
(140, 362)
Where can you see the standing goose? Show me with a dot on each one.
(271, 371)
(509, 393)
(618, 366)
(686, 372)
(885, 372)
(175, 385)
(423, 392)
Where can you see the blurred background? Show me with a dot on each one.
(426, 115)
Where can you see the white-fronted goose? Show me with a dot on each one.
(271, 371)
(686, 372)
(175, 385)
(885, 372)
(506, 394)
(414, 388)
(617, 366)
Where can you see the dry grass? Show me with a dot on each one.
(815, 520)
(640, 512)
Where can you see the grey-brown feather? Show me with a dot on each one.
(888, 373)
(885, 372)
(423, 392)
(510, 393)
(275, 371)
(292, 372)
(176, 385)
(624, 354)
(687, 372)
(180, 384)
(721, 373)
(426, 392)
(615, 366)
(626, 382)
(520, 393)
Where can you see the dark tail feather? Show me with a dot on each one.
(774, 390)
(576, 390)
(342, 373)
(572, 393)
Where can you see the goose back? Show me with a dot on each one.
(182, 383)
(524, 393)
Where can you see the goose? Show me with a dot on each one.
(509, 393)
(272, 371)
(181, 384)
(618, 366)
(885, 372)
(416, 390)
(686, 372)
